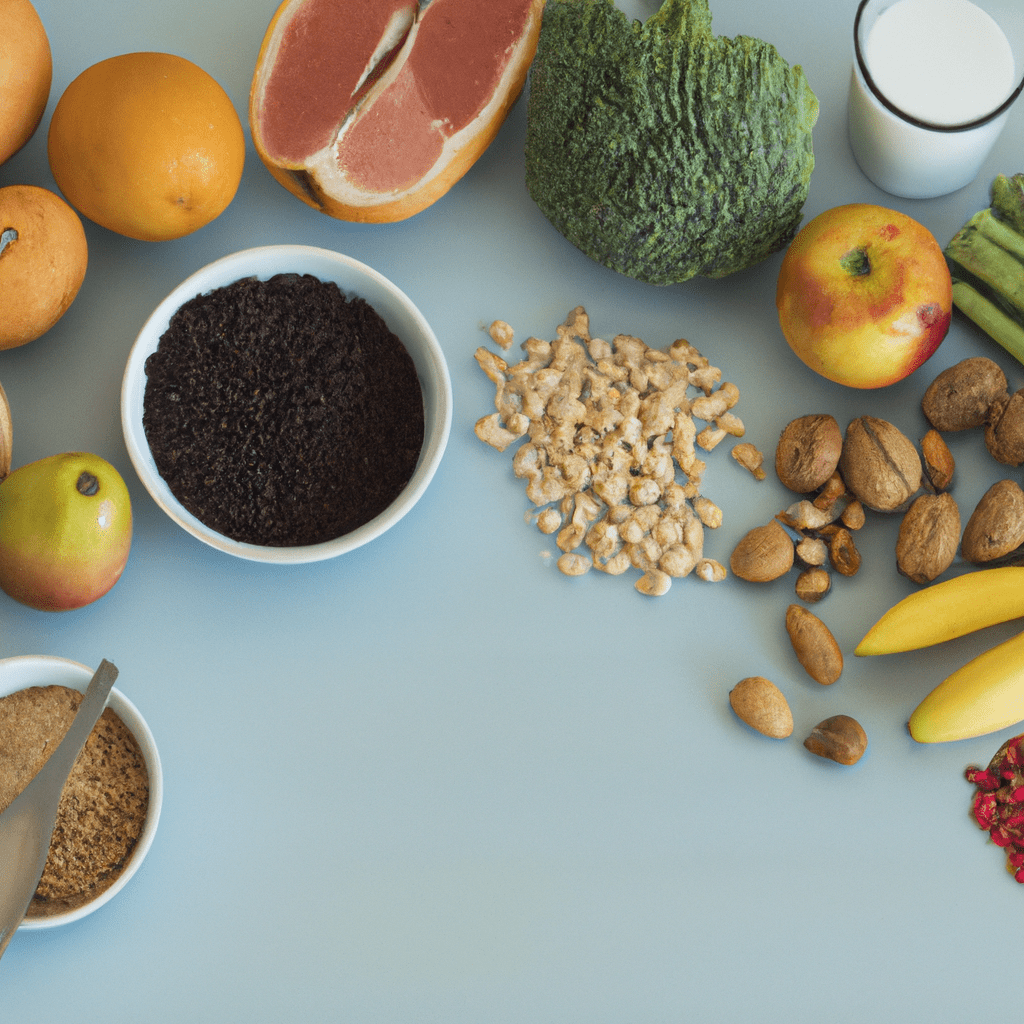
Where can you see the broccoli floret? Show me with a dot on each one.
(663, 151)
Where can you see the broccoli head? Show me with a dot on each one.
(661, 150)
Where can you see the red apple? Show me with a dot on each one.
(864, 295)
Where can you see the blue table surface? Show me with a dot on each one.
(435, 780)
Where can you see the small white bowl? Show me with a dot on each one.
(354, 278)
(44, 670)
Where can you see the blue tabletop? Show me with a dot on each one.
(436, 780)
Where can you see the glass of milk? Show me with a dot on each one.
(932, 86)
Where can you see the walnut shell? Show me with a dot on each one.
(880, 464)
(762, 705)
(960, 397)
(840, 738)
(1004, 429)
(939, 464)
(763, 554)
(996, 526)
(808, 452)
(929, 535)
(813, 584)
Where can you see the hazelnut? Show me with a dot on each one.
(808, 452)
(840, 738)
(996, 526)
(880, 464)
(928, 539)
(960, 397)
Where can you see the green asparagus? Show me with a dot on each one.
(986, 262)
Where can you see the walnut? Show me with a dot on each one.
(808, 452)
(960, 397)
(996, 526)
(764, 553)
(1004, 429)
(928, 537)
(879, 464)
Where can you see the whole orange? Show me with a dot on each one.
(147, 145)
(26, 69)
(43, 256)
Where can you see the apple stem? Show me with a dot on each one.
(856, 262)
(7, 236)
(87, 484)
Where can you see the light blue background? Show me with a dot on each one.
(437, 781)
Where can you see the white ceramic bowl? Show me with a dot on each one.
(44, 670)
(354, 278)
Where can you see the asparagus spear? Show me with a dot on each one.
(1008, 200)
(986, 262)
(992, 320)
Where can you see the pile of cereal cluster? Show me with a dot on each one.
(609, 424)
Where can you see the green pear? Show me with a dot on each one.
(65, 531)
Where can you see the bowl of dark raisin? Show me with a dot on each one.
(286, 404)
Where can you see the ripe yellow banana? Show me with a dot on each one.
(946, 610)
(985, 695)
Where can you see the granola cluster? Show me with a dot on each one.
(609, 448)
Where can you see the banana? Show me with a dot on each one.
(947, 610)
(985, 695)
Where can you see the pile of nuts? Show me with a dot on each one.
(606, 427)
(876, 466)
(762, 705)
(973, 394)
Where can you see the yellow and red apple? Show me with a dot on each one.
(864, 295)
(65, 531)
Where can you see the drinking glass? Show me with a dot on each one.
(914, 158)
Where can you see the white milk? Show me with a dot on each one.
(944, 62)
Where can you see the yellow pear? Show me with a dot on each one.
(65, 531)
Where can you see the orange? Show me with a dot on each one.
(147, 145)
(26, 68)
(43, 256)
